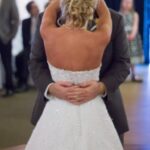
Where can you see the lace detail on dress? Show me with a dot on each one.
(74, 76)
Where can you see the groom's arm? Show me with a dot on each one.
(38, 66)
(120, 66)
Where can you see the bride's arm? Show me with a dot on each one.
(104, 24)
(50, 16)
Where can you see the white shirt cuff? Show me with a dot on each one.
(46, 95)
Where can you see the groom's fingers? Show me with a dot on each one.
(87, 84)
(74, 91)
(79, 99)
(76, 95)
(76, 98)
(65, 83)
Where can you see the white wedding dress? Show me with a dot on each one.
(64, 126)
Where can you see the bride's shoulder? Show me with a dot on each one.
(53, 31)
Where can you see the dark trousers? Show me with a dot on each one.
(6, 55)
(22, 72)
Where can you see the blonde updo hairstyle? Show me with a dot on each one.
(78, 12)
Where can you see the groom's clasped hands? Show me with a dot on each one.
(77, 93)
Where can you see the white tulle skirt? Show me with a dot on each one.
(64, 126)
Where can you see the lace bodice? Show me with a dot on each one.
(74, 76)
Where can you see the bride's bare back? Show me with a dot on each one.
(74, 48)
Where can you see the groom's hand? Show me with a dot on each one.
(86, 92)
(61, 89)
(77, 94)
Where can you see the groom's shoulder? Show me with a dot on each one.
(115, 15)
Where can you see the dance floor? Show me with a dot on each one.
(15, 112)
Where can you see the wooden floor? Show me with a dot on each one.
(137, 103)
(127, 147)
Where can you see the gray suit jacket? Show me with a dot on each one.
(116, 64)
(9, 20)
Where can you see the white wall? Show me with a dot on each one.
(17, 43)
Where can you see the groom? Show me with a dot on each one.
(114, 71)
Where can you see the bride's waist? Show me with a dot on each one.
(63, 107)
(62, 102)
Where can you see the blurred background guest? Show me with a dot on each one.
(46, 5)
(131, 19)
(1, 75)
(28, 29)
(8, 28)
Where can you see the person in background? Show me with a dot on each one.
(28, 29)
(1, 75)
(8, 28)
(131, 19)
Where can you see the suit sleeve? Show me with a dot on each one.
(14, 19)
(120, 66)
(24, 37)
(38, 66)
(26, 34)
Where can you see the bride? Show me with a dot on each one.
(74, 54)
